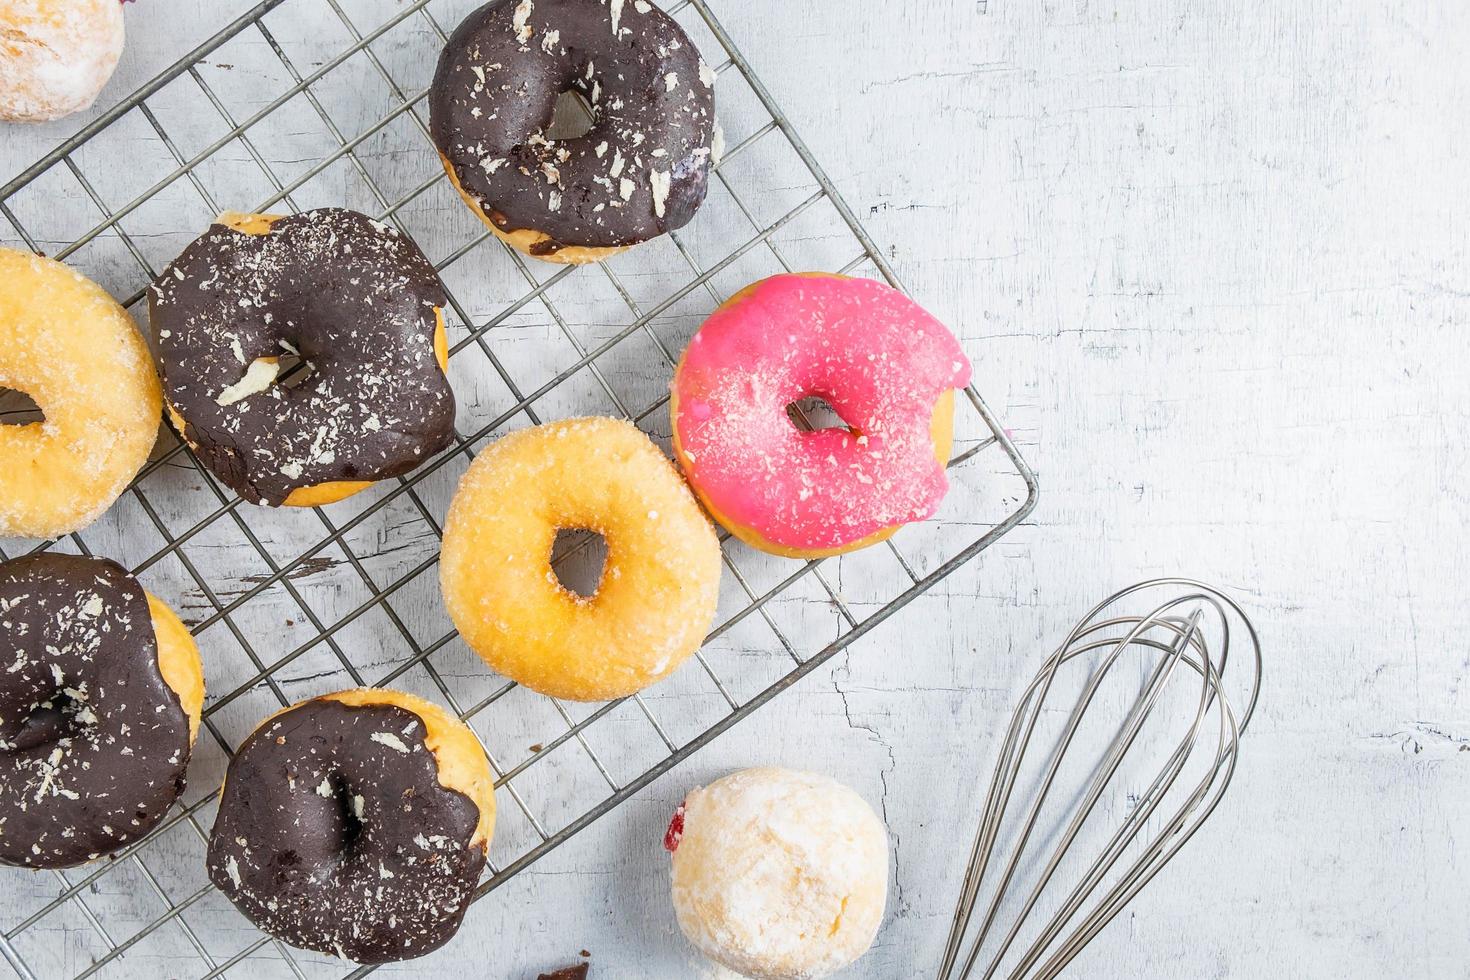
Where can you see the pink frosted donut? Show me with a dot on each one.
(887, 367)
(56, 55)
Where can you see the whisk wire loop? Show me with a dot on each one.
(1171, 635)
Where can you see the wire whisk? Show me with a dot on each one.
(1157, 777)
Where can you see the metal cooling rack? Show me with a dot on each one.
(298, 104)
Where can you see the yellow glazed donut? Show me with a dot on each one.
(56, 55)
(659, 585)
(68, 345)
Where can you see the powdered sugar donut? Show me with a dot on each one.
(886, 366)
(56, 55)
(779, 875)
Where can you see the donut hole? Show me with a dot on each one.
(292, 370)
(19, 408)
(814, 413)
(49, 722)
(572, 117)
(349, 823)
(578, 559)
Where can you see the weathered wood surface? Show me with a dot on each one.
(1210, 258)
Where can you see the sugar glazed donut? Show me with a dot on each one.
(660, 580)
(356, 824)
(357, 302)
(77, 353)
(641, 171)
(56, 56)
(100, 696)
(888, 368)
(779, 875)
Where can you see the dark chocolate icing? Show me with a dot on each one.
(355, 299)
(644, 167)
(93, 741)
(334, 834)
(578, 972)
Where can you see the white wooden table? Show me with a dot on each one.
(1211, 260)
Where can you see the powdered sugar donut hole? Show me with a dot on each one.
(779, 875)
(56, 55)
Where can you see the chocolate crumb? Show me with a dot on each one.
(578, 972)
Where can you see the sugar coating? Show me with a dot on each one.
(879, 359)
(77, 353)
(660, 582)
(56, 55)
(779, 875)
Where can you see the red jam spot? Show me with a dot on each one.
(675, 832)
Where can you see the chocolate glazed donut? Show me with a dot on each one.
(337, 832)
(355, 300)
(641, 171)
(93, 740)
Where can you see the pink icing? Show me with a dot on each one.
(876, 357)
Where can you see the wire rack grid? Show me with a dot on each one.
(301, 103)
